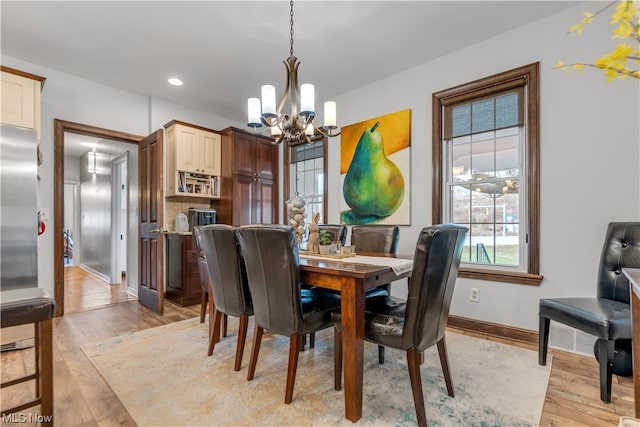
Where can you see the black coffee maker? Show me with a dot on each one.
(201, 216)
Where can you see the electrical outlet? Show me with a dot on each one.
(475, 295)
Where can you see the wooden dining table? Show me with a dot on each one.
(352, 280)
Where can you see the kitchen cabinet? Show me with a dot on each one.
(249, 183)
(20, 94)
(183, 278)
(193, 161)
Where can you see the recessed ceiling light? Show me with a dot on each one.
(175, 81)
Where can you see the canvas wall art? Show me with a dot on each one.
(375, 170)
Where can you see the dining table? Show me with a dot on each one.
(352, 276)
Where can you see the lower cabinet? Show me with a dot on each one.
(183, 278)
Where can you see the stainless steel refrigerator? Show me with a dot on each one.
(18, 208)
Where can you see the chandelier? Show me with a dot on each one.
(298, 127)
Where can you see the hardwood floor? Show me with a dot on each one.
(83, 291)
(573, 392)
(83, 398)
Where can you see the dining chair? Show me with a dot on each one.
(205, 296)
(419, 322)
(376, 238)
(337, 232)
(607, 316)
(270, 253)
(227, 280)
(203, 272)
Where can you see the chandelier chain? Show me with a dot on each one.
(291, 30)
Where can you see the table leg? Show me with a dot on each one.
(352, 310)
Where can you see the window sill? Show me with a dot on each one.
(500, 276)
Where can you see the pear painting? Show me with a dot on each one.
(374, 186)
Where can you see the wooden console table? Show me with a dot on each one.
(634, 283)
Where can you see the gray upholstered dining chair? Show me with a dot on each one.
(270, 253)
(203, 273)
(419, 322)
(607, 315)
(227, 280)
(376, 238)
(337, 232)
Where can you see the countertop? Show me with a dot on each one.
(181, 233)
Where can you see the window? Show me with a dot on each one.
(306, 175)
(486, 173)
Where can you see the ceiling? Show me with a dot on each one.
(225, 50)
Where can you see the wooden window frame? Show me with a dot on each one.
(472, 90)
(286, 178)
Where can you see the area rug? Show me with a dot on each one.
(164, 378)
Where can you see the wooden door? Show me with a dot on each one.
(151, 243)
(243, 199)
(265, 207)
(266, 158)
(210, 153)
(244, 153)
(187, 149)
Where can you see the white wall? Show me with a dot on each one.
(73, 99)
(590, 152)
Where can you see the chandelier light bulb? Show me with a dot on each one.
(309, 130)
(330, 115)
(254, 112)
(307, 99)
(268, 101)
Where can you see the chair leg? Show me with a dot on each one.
(255, 349)
(444, 362)
(212, 313)
(203, 305)
(606, 353)
(293, 366)
(242, 336)
(312, 340)
(337, 359)
(302, 342)
(543, 340)
(413, 362)
(224, 325)
(214, 334)
(381, 354)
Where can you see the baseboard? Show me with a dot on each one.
(493, 329)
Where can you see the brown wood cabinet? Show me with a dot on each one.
(249, 183)
(183, 279)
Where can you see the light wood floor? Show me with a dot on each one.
(83, 291)
(83, 398)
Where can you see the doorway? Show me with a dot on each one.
(119, 218)
(70, 224)
(67, 130)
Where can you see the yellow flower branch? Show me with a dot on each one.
(624, 61)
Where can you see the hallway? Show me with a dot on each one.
(83, 291)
